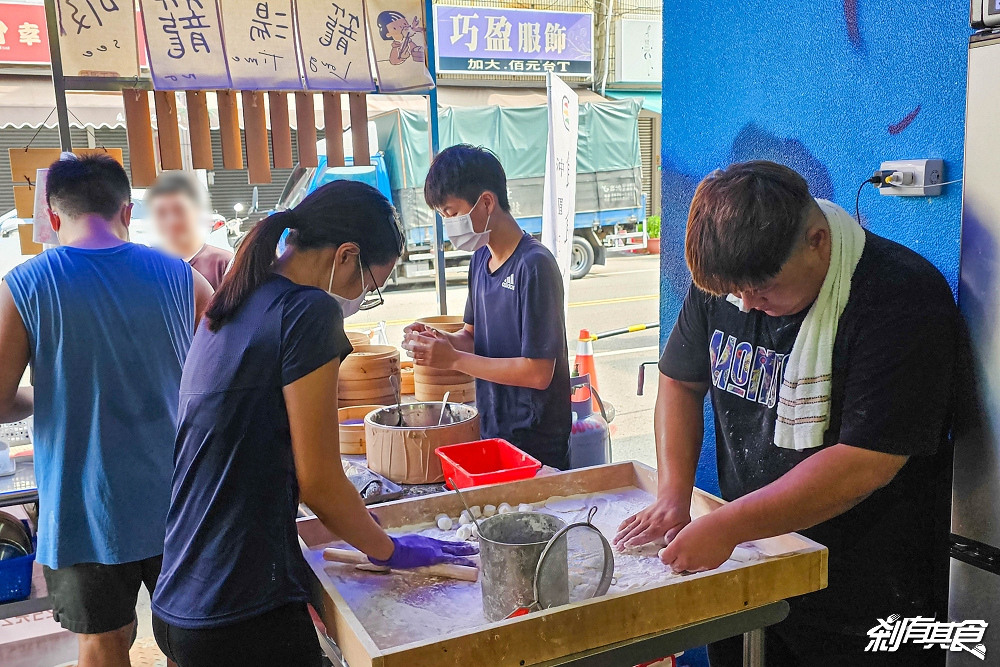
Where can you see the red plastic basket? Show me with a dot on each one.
(485, 462)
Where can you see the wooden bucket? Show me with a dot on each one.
(446, 323)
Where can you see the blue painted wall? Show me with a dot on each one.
(829, 88)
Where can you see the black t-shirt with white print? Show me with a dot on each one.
(893, 370)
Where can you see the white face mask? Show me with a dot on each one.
(463, 235)
(349, 306)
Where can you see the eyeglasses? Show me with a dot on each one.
(371, 301)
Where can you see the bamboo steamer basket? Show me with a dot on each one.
(406, 377)
(352, 436)
(365, 376)
(446, 323)
(357, 338)
(430, 384)
(405, 454)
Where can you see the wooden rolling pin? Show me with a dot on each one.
(460, 572)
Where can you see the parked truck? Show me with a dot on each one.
(610, 207)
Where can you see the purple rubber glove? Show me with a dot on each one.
(419, 551)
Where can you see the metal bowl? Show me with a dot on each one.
(422, 415)
(9, 550)
(12, 532)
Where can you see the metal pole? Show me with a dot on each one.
(440, 281)
(58, 82)
(753, 648)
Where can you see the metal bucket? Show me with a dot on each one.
(509, 548)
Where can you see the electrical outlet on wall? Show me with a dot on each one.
(913, 178)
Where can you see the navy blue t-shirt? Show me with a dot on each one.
(231, 549)
(517, 311)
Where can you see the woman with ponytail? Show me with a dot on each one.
(258, 432)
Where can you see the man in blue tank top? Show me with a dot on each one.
(106, 325)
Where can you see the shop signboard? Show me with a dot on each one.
(97, 38)
(260, 44)
(184, 38)
(513, 42)
(334, 42)
(638, 51)
(23, 38)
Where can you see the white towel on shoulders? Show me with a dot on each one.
(804, 397)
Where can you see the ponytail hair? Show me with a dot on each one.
(335, 213)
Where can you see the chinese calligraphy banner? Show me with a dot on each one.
(398, 32)
(513, 42)
(559, 206)
(98, 38)
(22, 34)
(334, 42)
(184, 38)
(260, 44)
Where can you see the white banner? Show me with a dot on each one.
(184, 39)
(260, 44)
(334, 42)
(559, 199)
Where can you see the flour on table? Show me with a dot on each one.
(563, 505)
(399, 609)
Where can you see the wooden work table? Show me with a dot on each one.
(624, 628)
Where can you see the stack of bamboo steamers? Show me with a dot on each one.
(430, 384)
(365, 376)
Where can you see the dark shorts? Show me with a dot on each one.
(91, 598)
(284, 636)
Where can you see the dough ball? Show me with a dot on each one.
(565, 505)
(477, 511)
(464, 532)
(465, 519)
(444, 522)
(504, 508)
(489, 510)
(525, 507)
(475, 531)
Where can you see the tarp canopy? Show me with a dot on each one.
(652, 100)
(608, 140)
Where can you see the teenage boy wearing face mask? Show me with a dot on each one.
(514, 340)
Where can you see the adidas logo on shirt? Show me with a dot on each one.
(508, 282)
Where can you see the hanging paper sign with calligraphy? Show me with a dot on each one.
(398, 36)
(334, 42)
(98, 38)
(260, 44)
(184, 38)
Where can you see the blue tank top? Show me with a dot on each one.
(108, 331)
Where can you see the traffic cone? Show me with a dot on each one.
(584, 364)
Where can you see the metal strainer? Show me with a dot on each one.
(576, 564)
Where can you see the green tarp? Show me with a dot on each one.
(608, 140)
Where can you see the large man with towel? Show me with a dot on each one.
(829, 354)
